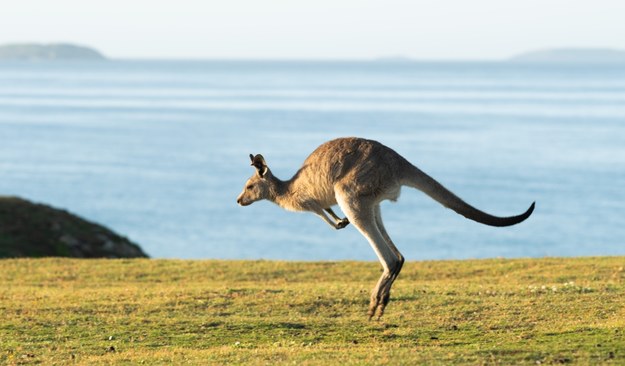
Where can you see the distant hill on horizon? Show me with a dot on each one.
(572, 55)
(70, 51)
(48, 52)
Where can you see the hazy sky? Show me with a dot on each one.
(436, 29)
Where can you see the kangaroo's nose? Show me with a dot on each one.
(239, 201)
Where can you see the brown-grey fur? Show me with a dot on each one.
(357, 174)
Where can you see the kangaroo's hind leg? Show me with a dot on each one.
(361, 213)
(386, 291)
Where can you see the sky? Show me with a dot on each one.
(316, 29)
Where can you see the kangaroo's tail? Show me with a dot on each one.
(418, 179)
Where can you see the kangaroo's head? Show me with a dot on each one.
(258, 187)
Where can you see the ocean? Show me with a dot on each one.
(158, 151)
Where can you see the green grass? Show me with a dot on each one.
(527, 311)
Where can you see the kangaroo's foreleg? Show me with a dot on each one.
(340, 222)
(336, 222)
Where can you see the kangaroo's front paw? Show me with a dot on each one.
(341, 224)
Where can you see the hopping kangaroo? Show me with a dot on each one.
(358, 174)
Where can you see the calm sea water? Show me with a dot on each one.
(158, 151)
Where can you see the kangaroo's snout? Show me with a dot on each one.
(241, 202)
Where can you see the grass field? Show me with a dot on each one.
(140, 311)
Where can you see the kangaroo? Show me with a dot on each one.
(357, 174)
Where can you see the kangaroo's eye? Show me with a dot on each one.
(250, 186)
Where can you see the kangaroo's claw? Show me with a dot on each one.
(341, 224)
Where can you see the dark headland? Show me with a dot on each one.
(48, 52)
(30, 229)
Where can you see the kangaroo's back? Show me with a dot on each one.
(362, 166)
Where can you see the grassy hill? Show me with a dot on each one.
(139, 311)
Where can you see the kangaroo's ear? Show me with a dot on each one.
(258, 162)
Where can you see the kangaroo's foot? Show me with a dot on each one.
(373, 306)
(340, 224)
(378, 304)
(381, 294)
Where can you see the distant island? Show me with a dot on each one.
(47, 52)
(572, 55)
